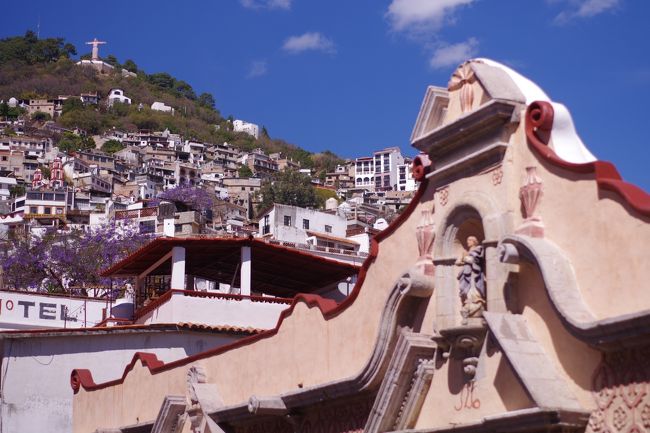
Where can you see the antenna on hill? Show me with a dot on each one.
(38, 28)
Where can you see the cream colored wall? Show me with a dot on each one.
(306, 351)
(606, 241)
(498, 391)
(574, 360)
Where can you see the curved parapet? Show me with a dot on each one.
(565, 295)
(540, 122)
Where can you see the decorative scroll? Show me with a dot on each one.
(621, 386)
(421, 166)
(539, 122)
(462, 79)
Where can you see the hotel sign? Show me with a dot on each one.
(20, 310)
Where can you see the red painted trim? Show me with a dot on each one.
(539, 121)
(247, 241)
(328, 308)
(81, 377)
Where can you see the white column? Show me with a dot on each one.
(245, 271)
(178, 268)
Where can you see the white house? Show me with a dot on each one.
(117, 95)
(160, 106)
(405, 180)
(247, 127)
(6, 183)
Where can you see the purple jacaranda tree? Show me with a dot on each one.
(193, 197)
(58, 260)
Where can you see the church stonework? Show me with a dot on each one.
(493, 303)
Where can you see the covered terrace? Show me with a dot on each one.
(253, 265)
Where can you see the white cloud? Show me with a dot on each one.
(310, 41)
(258, 68)
(266, 4)
(417, 16)
(585, 9)
(453, 55)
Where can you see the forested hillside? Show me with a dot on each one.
(45, 68)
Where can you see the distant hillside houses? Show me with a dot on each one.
(247, 127)
(160, 106)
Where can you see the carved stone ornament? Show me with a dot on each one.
(421, 166)
(497, 176)
(530, 194)
(463, 343)
(195, 375)
(425, 233)
(620, 389)
(443, 195)
(462, 80)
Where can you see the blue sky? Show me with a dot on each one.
(349, 75)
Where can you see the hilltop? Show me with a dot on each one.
(45, 68)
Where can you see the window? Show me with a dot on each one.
(287, 220)
(47, 211)
(266, 229)
(328, 229)
(147, 227)
(33, 209)
(305, 224)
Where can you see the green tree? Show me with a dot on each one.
(39, 116)
(207, 100)
(112, 146)
(112, 60)
(245, 171)
(130, 65)
(17, 191)
(45, 170)
(288, 187)
(73, 143)
(184, 89)
(72, 104)
(162, 80)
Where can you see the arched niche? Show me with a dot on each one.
(473, 214)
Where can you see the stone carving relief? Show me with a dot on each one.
(443, 195)
(620, 389)
(195, 375)
(497, 176)
(462, 80)
(530, 194)
(471, 279)
(425, 234)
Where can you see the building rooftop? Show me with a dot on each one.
(276, 270)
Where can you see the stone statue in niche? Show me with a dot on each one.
(471, 279)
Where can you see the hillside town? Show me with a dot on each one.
(43, 187)
(167, 269)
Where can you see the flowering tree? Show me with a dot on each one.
(193, 197)
(58, 260)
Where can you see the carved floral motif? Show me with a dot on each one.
(497, 176)
(462, 80)
(443, 196)
(425, 234)
(620, 390)
(530, 194)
